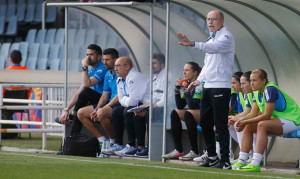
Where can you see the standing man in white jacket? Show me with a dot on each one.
(216, 73)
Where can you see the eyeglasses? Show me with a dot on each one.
(155, 63)
(212, 19)
(119, 65)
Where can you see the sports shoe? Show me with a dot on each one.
(237, 165)
(209, 162)
(190, 156)
(131, 151)
(143, 152)
(122, 152)
(112, 149)
(223, 165)
(202, 158)
(250, 168)
(174, 154)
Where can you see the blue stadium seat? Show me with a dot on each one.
(43, 57)
(14, 46)
(31, 36)
(50, 36)
(23, 47)
(3, 10)
(2, 24)
(53, 53)
(90, 36)
(4, 51)
(32, 56)
(71, 36)
(38, 14)
(75, 65)
(30, 11)
(101, 36)
(51, 14)
(54, 65)
(2, 62)
(40, 37)
(61, 56)
(21, 9)
(12, 28)
(80, 37)
(11, 2)
(11, 11)
(60, 36)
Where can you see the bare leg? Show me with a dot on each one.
(180, 113)
(84, 116)
(247, 137)
(104, 115)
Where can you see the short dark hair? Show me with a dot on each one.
(16, 56)
(247, 75)
(112, 52)
(237, 76)
(160, 57)
(262, 74)
(195, 67)
(96, 48)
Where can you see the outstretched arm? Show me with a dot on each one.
(185, 40)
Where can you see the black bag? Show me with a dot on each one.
(81, 145)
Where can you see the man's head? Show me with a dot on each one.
(122, 66)
(110, 56)
(158, 62)
(215, 21)
(94, 53)
(259, 79)
(15, 57)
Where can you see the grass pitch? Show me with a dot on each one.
(24, 165)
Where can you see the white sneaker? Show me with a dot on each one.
(202, 158)
(124, 150)
(112, 149)
(174, 154)
(190, 156)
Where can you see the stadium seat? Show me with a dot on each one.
(50, 36)
(75, 65)
(38, 14)
(61, 56)
(11, 2)
(4, 51)
(2, 24)
(54, 64)
(3, 10)
(31, 36)
(80, 37)
(43, 57)
(2, 62)
(101, 36)
(74, 52)
(51, 15)
(71, 36)
(12, 28)
(90, 37)
(2, 2)
(14, 46)
(11, 11)
(40, 37)
(53, 53)
(30, 11)
(60, 36)
(21, 9)
(23, 47)
(32, 56)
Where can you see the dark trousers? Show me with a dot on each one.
(85, 97)
(135, 126)
(214, 111)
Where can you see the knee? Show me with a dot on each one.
(174, 115)
(262, 126)
(101, 115)
(188, 116)
(80, 114)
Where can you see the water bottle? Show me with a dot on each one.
(231, 155)
(105, 145)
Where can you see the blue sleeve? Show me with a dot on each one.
(106, 87)
(233, 100)
(271, 94)
(248, 103)
(100, 74)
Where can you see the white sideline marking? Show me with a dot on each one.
(142, 165)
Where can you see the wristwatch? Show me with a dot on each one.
(85, 68)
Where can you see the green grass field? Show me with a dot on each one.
(25, 165)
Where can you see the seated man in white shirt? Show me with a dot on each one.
(133, 90)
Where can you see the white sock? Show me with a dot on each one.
(256, 159)
(243, 157)
(254, 142)
(239, 136)
(101, 139)
(112, 141)
(218, 149)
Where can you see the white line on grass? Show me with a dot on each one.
(142, 165)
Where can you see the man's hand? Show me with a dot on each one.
(64, 117)
(93, 115)
(193, 85)
(185, 40)
(142, 113)
(85, 61)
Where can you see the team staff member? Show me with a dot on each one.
(216, 73)
(133, 89)
(88, 114)
(93, 77)
(273, 113)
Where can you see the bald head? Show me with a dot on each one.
(122, 66)
(215, 20)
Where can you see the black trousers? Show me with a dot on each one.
(85, 97)
(135, 126)
(214, 111)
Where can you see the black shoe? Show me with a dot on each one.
(209, 162)
(223, 165)
(61, 152)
